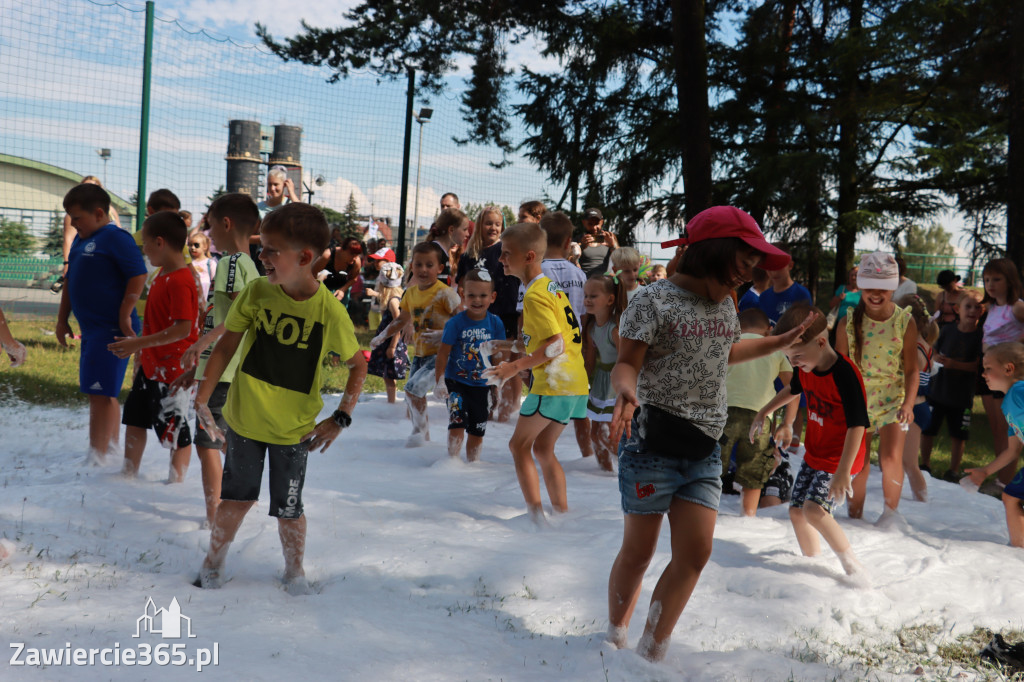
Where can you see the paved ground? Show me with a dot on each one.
(23, 301)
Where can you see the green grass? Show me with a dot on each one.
(50, 374)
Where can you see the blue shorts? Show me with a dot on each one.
(648, 482)
(811, 486)
(557, 408)
(100, 372)
(1015, 488)
(421, 376)
(923, 415)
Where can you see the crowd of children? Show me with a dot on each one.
(677, 385)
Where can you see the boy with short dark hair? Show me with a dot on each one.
(837, 420)
(461, 360)
(428, 303)
(170, 326)
(233, 218)
(749, 385)
(290, 322)
(554, 351)
(105, 277)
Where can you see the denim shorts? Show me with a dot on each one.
(421, 376)
(648, 482)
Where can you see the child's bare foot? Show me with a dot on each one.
(209, 577)
(6, 549)
(651, 650)
(618, 636)
(297, 586)
(128, 469)
(536, 515)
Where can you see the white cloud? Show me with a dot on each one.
(237, 17)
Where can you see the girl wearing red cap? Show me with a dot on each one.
(676, 339)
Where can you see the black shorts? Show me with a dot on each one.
(216, 405)
(150, 405)
(243, 473)
(468, 407)
(959, 419)
(780, 483)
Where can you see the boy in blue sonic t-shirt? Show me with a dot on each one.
(461, 360)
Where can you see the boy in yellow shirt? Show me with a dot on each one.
(286, 324)
(428, 303)
(554, 351)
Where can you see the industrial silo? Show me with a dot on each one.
(243, 157)
(287, 151)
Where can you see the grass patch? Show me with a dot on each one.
(50, 374)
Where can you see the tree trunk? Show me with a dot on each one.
(691, 62)
(847, 224)
(1015, 155)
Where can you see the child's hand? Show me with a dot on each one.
(905, 415)
(63, 330)
(500, 373)
(622, 416)
(977, 476)
(208, 423)
(432, 336)
(840, 488)
(441, 390)
(323, 435)
(184, 381)
(126, 326)
(756, 426)
(377, 341)
(190, 358)
(793, 335)
(783, 436)
(15, 352)
(123, 347)
(941, 359)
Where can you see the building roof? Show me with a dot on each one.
(123, 207)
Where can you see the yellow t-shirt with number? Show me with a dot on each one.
(275, 396)
(546, 312)
(430, 308)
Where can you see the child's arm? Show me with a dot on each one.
(440, 363)
(961, 365)
(842, 343)
(1018, 310)
(215, 366)
(784, 433)
(396, 325)
(132, 291)
(911, 376)
(750, 349)
(624, 376)
(326, 431)
(506, 370)
(1010, 454)
(123, 347)
(63, 328)
(841, 486)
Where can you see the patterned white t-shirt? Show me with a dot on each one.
(686, 364)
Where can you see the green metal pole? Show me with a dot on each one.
(411, 93)
(147, 76)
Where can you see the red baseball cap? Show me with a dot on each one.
(719, 222)
(384, 254)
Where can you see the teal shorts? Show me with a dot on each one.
(557, 408)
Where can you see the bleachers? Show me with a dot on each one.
(29, 272)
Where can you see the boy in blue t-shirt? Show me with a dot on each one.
(105, 277)
(782, 293)
(461, 360)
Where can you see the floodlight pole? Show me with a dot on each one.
(419, 159)
(147, 77)
(404, 195)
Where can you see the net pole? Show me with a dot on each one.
(404, 196)
(147, 75)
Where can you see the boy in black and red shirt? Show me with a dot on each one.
(837, 417)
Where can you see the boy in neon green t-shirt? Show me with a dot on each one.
(554, 351)
(290, 323)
